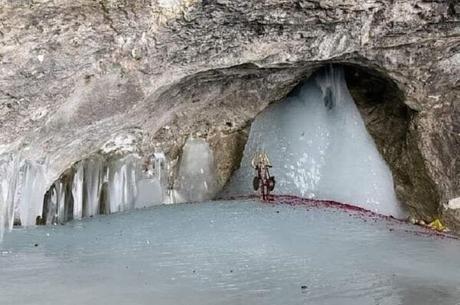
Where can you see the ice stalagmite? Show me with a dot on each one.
(320, 148)
(196, 177)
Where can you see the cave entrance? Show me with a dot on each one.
(334, 137)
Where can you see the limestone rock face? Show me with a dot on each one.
(74, 74)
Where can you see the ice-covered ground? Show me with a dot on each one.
(228, 253)
(320, 148)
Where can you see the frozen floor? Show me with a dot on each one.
(229, 253)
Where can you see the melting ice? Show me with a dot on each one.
(320, 148)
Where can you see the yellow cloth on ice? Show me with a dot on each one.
(437, 225)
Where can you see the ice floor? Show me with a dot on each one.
(234, 252)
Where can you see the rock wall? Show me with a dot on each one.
(73, 74)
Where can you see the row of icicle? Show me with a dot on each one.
(101, 185)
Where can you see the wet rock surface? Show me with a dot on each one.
(73, 75)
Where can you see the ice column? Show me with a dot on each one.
(9, 168)
(122, 183)
(31, 185)
(94, 175)
(22, 185)
(94, 185)
(86, 186)
(77, 192)
(57, 204)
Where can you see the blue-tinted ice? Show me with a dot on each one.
(228, 253)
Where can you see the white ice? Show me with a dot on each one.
(22, 186)
(122, 183)
(196, 176)
(320, 148)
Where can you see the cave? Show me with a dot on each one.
(219, 106)
(386, 118)
(206, 69)
(151, 111)
(378, 99)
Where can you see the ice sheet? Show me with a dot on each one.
(223, 253)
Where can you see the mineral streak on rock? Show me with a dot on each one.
(75, 74)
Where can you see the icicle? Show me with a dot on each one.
(77, 192)
(9, 168)
(22, 186)
(122, 183)
(30, 191)
(93, 177)
(91, 186)
(61, 201)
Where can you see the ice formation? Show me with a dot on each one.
(102, 183)
(316, 139)
(22, 186)
(320, 148)
(153, 186)
(196, 177)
